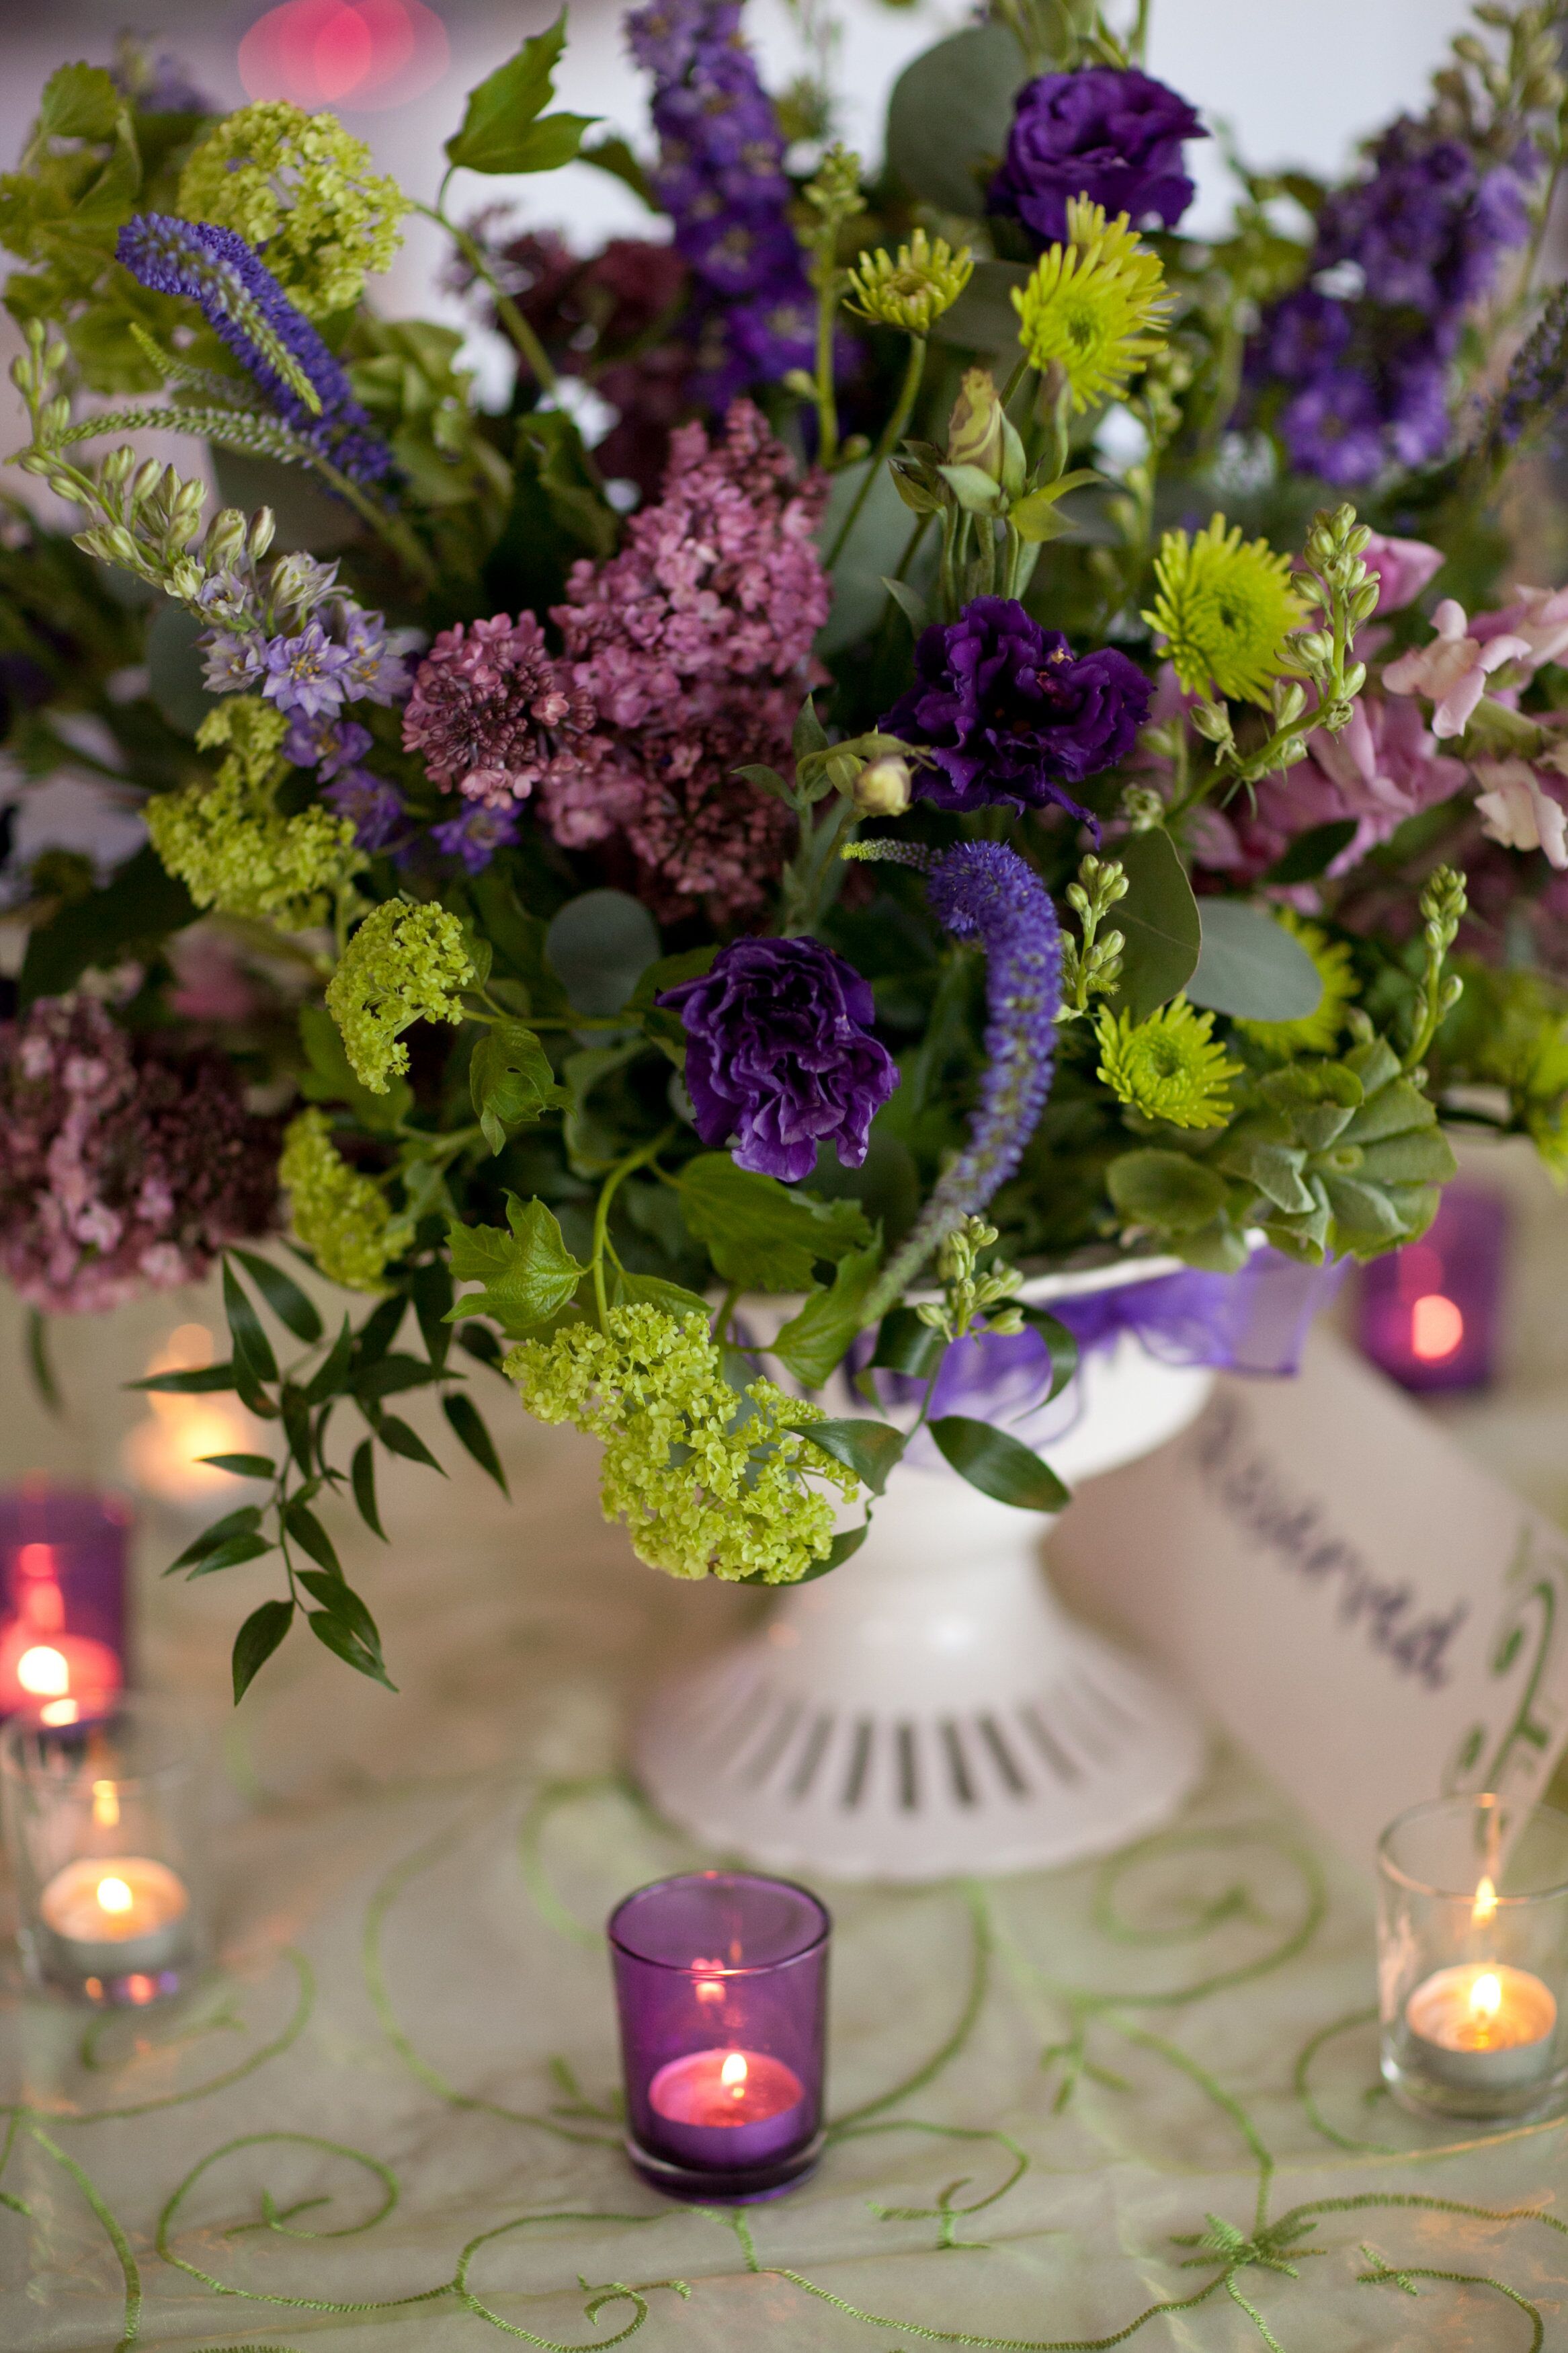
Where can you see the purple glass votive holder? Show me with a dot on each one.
(62, 1600)
(721, 1985)
(1429, 1314)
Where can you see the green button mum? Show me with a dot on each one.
(1168, 1067)
(1094, 307)
(1225, 607)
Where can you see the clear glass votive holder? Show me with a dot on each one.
(62, 1599)
(103, 1825)
(721, 1985)
(1473, 1958)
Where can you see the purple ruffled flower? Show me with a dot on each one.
(372, 805)
(779, 1054)
(1009, 712)
(476, 835)
(1111, 134)
(216, 269)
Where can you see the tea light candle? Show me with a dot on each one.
(62, 1566)
(1483, 2026)
(114, 1918)
(727, 2107)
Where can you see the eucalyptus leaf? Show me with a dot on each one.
(1159, 920)
(1313, 852)
(949, 117)
(983, 317)
(1251, 967)
(599, 946)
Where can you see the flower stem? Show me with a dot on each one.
(608, 1191)
(892, 434)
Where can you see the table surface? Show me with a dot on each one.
(1062, 2101)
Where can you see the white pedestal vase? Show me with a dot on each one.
(930, 1708)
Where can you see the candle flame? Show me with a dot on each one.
(106, 1805)
(1437, 1327)
(113, 1895)
(1484, 1909)
(732, 2073)
(59, 1711)
(1486, 1998)
(42, 1672)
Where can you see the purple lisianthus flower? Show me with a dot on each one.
(1108, 133)
(779, 1055)
(305, 673)
(1010, 713)
(372, 805)
(476, 835)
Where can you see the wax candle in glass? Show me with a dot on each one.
(1473, 1957)
(1430, 1313)
(62, 1579)
(103, 1828)
(721, 1984)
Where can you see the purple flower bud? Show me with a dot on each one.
(1110, 134)
(779, 1055)
(476, 835)
(371, 805)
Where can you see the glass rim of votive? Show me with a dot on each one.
(143, 1708)
(1474, 1802)
(813, 1943)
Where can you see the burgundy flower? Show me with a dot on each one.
(1111, 134)
(1011, 714)
(126, 1164)
(487, 700)
(779, 1055)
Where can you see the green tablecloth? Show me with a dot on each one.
(387, 2121)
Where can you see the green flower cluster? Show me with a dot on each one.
(404, 964)
(227, 841)
(340, 1216)
(300, 189)
(707, 1479)
(1225, 607)
(1168, 1067)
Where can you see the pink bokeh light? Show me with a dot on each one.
(359, 55)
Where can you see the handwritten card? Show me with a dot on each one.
(1344, 1589)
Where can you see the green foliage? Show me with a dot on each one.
(762, 1235)
(1160, 923)
(505, 128)
(510, 1081)
(1252, 968)
(948, 121)
(527, 1273)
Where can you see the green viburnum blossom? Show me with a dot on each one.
(340, 1217)
(299, 188)
(227, 841)
(706, 1478)
(404, 964)
(1167, 1067)
(913, 291)
(1316, 1032)
(1094, 306)
(1225, 605)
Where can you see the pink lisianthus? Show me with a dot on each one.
(1404, 567)
(1517, 808)
(1453, 670)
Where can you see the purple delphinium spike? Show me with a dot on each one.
(982, 890)
(216, 269)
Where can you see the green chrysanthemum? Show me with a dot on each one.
(340, 1217)
(404, 964)
(1169, 1066)
(1224, 606)
(300, 189)
(1095, 306)
(1316, 1032)
(913, 291)
(706, 1478)
(227, 842)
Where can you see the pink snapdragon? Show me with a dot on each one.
(1453, 670)
(1517, 809)
(1404, 567)
(1538, 620)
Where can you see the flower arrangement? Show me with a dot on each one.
(946, 786)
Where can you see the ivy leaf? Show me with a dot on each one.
(759, 1233)
(812, 1343)
(510, 1081)
(252, 1348)
(527, 1274)
(80, 101)
(501, 130)
(362, 1472)
(652, 1291)
(468, 1424)
(1000, 1466)
(282, 1294)
(870, 1449)
(256, 1642)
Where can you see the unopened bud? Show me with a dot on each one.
(974, 436)
(883, 789)
(144, 481)
(263, 526)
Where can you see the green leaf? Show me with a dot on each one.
(870, 1449)
(1000, 1466)
(330, 1079)
(363, 1473)
(331, 1374)
(343, 1640)
(242, 1466)
(432, 1290)
(231, 1554)
(909, 602)
(501, 128)
(309, 1535)
(906, 1344)
(296, 1424)
(202, 1382)
(1061, 1343)
(613, 154)
(282, 1294)
(1251, 967)
(252, 1348)
(379, 1330)
(812, 1343)
(398, 1438)
(1313, 852)
(138, 907)
(1166, 1189)
(243, 1523)
(599, 946)
(480, 1343)
(948, 121)
(510, 1081)
(527, 1274)
(256, 1642)
(394, 1372)
(468, 1424)
(80, 101)
(1159, 920)
(759, 1233)
(626, 1290)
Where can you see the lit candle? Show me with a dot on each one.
(1484, 2026)
(114, 1927)
(727, 2107)
(166, 1454)
(62, 1558)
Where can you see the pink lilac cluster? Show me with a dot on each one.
(126, 1164)
(692, 646)
(489, 709)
